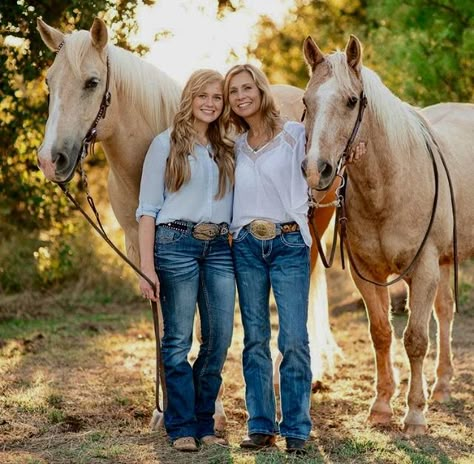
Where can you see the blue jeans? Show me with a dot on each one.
(282, 264)
(194, 271)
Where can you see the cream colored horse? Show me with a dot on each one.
(144, 100)
(390, 195)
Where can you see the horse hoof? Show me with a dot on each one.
(220, 423)
(156, 420)
(412, 430)
(379, 418)
(441, 395)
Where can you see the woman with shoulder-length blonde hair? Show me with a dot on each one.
(271, 250)
(184, 211)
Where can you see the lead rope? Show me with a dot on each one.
(160, 374)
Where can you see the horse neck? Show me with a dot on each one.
(379, 179)
(134, 121)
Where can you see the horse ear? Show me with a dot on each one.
(51, 36)
(354, 53)
(99, 34)
(312, 54)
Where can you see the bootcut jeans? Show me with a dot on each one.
(191, 272)
(282, 264)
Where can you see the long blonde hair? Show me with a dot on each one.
(183, 138)
(268, 107)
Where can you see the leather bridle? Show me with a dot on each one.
(87, 147)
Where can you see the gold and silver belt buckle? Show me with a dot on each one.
(263, 230)
(206, 231)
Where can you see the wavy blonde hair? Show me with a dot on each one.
(268, 107)
(183, 138)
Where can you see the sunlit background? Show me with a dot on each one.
(190, 37)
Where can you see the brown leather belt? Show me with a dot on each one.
(267, 230)
(201, 231)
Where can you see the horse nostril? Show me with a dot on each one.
(325, 169)
(304, 166)
(60, 159)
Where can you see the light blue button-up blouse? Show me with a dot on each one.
(195, 201)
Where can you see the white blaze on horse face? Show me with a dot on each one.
(46, 163)
(324, 96)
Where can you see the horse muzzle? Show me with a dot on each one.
(326, 173)
(58, 165)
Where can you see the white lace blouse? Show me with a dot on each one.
(269, 183)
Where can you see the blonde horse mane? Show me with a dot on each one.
(153, 91)
(400, 121)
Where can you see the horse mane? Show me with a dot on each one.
(152, 91)
(403, 125)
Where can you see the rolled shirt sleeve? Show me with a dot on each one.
(152, 186)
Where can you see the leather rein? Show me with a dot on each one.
(341, 216)
(87, 147)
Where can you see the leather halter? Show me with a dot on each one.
(87, 146)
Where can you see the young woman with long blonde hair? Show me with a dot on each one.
(184, 213)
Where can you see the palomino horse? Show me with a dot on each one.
(389, 201)
(143, 102)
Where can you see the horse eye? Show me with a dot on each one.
(304, 102)
(92, 83)
(352, 101)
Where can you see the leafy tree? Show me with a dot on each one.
(422, 49)
(25, 198)
(427, 48)
(279, 48)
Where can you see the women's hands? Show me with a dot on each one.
(146, 289)
(357, 153)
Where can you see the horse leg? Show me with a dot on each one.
(422, 292)
(377, 303)
(444, 314)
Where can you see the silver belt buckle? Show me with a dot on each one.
(263, 230)
(205, 231)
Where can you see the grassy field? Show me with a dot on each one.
(77, 383)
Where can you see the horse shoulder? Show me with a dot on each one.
(289, 100)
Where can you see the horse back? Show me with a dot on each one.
(452, 124)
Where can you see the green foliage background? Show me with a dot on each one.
(422, 49)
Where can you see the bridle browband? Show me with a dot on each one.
(341, 217)
(87, 147)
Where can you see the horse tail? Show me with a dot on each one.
(323, 346)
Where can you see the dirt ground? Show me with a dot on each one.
(76, 386)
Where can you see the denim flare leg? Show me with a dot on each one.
(194, 271)
(282, 264)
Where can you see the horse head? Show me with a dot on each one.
(77, 82)
(332, 98)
